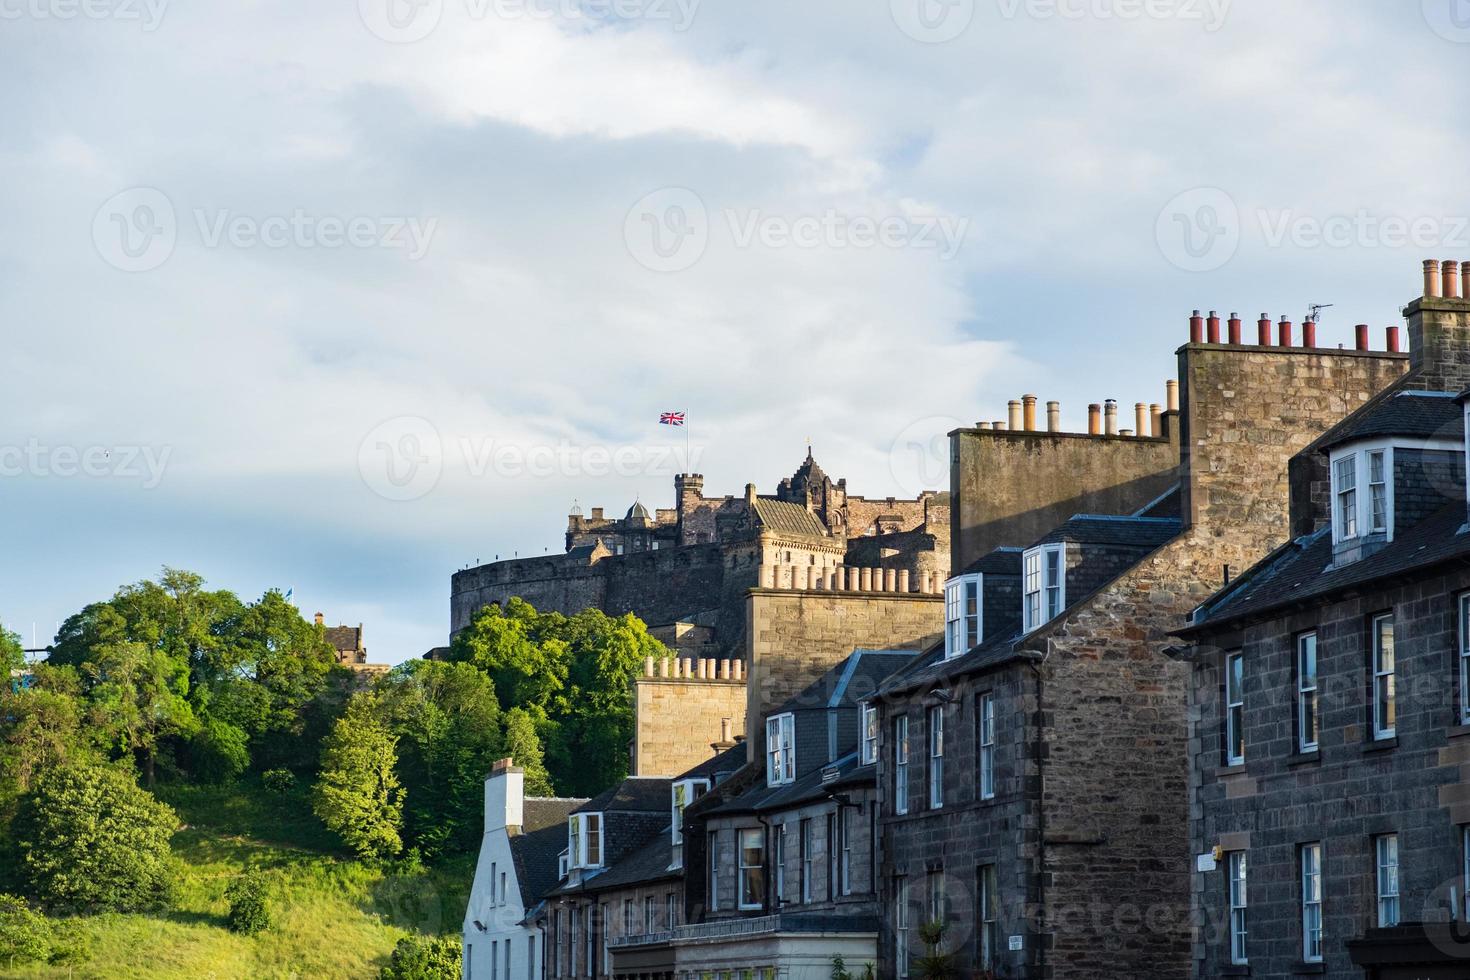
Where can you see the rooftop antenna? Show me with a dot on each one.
(1314, 312)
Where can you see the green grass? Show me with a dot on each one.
(333, 916)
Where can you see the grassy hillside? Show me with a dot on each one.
(333, 916)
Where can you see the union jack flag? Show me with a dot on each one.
(671, 418)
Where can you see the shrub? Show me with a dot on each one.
(218, 752)
(88, 838)
(25, 936)
(278, 781)
(424, 958)
(249, 897)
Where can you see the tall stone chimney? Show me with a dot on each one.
(1439, 336)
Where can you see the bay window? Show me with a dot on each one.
(780, 749)
(584, 840)
(961, 614)
(1043, 585)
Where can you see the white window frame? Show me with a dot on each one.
(901, 764)
(963, 614)
(683, 793)
(985, 718)
(743, 837)
(1465, 658)
(1236, 872)
(1234, 709)
(989, 917)
(1362, 454)
(1385, 686)
(870, 734)
(1044, 584)
(1380, 489)
(1308, 704)
(1386, 878)
(1310, 861)
(935, 731)
(714, 871)
(1346, 505)
(584, 840)
(780, 749)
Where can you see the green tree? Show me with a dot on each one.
(12, 653)
(249, 898)
(286, 656)
(447, 721)
(89, 839)
(218, 752)
(25, 935)
(425, 958)
(358, 795)
(139, 695)
(40, 727)
(523, 745)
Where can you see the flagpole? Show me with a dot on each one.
(688, 463)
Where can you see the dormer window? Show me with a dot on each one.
(686, 791)
(961, 614)
(1043, 571)
(584, 840)
(1362, 492)
(780, 749)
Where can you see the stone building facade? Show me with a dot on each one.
(1329, 826)
(1083, 712)
(684, 570)
(675, 702)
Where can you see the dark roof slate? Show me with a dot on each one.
(1302, 569)
(636, 794)
(1420, 414)
(1132, 532)
(851, 680)
(1001, 561)
(761, 798)
(719, 766)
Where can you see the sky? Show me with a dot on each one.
(341, 297)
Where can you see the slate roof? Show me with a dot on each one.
(1001, 561)
(1301, 570)
(853, 679)
(537, 850)
(1419, 414)
(805, 789)
(1134, 532)
(348, 638)
(636, 794)
(717, 768)
(788, 518)
(649, 862)
(1167, 505)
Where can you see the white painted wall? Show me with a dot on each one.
(499, 911)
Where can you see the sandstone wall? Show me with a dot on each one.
(677, 720)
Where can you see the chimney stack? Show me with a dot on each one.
(1196, 328)
(1029, 407)
(1234, 327)
(750, 494)
(1140, 418)
(1171, 391)
(1451, 279)
(1015, 415)
(1110, 416)
(1433, 284)
(1309, 332)
(1094, 420)
(1053, 416)
(1214, 327)
(1263, 331)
